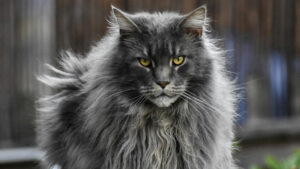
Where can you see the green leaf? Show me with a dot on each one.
(293, 162)
(255, 167)
(290, 162)
(272, 163)
(297, 156)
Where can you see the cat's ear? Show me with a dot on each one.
(126, 25)
(194, 21)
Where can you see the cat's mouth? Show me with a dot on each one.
(163, 100)
(163, 97)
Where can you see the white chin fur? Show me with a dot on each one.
(163, 101)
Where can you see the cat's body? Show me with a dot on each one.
(104, 116)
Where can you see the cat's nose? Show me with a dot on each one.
(162, 84)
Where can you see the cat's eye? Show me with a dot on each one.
(178, 60)
(144, 61)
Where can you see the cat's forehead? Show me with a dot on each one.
(156, 22)
(160, 36)
(163, 47)
(159, 49)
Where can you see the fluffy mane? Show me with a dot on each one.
(91, 123)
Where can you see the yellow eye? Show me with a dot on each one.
(178, 60)
(144, 62)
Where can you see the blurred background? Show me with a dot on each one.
(262, 37)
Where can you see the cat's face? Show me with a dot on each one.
(162, 75)
(162, 54)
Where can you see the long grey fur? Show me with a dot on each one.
(91, 124)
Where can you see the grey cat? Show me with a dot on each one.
(152, 94)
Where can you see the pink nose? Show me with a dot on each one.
(163, 84)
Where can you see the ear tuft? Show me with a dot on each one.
(126, 25)
(194, 22)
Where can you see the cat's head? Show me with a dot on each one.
(162, 55)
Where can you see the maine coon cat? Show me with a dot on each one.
(152, 94)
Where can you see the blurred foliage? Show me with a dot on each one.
(293, 162)
(236, 144)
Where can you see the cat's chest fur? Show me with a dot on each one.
(152, 140)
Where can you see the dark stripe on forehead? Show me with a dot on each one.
(170, 48)
(153, 49)
(161, 46)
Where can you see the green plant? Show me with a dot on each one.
(293, 162)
